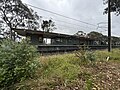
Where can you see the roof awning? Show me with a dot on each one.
(26, 32)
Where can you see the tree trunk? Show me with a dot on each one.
(10, 33)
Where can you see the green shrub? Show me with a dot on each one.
(85, 56)
(90, 55)
(17, 62)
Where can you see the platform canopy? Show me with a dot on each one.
(26, 32)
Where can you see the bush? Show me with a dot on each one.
(85, 56)
(17, 62)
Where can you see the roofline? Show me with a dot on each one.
(25, 32)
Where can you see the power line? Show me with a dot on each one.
(102, 23)
(67, 18)
(68, 26)
(67, 23)
(115, 34)
(61, 15)
(70, 23)
(104, 30)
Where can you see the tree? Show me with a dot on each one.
(80, 33)
(0, 27)
(115, 40)
(33, 24)
(15, 14)
(4, 29)
(48, 25)
(94, 35)
(115, 6)
(99, 37)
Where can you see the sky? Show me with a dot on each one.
(89, 11)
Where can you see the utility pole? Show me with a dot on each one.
(109, 25)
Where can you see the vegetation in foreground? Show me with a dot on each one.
(81, 70)
(18, 62)
(77, 72)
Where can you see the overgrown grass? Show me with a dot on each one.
(69, 72)
(61, 67)
(104, 54)
(61, 71)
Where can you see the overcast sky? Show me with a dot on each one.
(90, 11)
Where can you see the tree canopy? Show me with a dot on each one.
(115, 6)
(80, 34)
(103, 39)
(95, 35)
(48, 25)
(15, 14)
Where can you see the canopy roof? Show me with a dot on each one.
(26, 32)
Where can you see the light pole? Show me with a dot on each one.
(109, 25)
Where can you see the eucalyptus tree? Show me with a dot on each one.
(48, 25)
(16, 14)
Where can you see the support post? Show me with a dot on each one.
(109, 26)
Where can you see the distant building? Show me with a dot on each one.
(39, 37)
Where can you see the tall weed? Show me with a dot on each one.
(85, 56)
